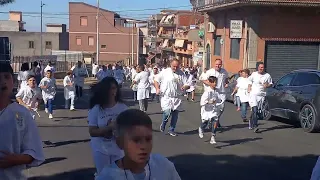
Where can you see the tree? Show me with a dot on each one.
(4, 2)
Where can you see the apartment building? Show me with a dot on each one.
(174, 29)
(118, 37)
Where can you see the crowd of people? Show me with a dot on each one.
(121, 138)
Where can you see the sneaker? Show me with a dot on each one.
(72, 109)
(172, 133)
(250, 128)
(50, 116)
(200, 133)
(46, 110)
(162, 127)
(256, 129)
(244, 120)
(213, 140)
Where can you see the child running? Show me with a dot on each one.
(48, 86)
(210, 109)
(29, 96)
(69, 90)
(134, 136)
(20, 143)
(105, 105)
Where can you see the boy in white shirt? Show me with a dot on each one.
(48, 87)
(69, 91)
(210, 108)
(20, 143)
(135, 138)
(29, 96)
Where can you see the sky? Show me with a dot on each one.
(54, 12)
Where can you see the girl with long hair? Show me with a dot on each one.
(105, 106)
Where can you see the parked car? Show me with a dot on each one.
(232, 84)
(296, 96)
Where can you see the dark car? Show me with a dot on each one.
(296, 96)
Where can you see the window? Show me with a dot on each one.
(235, 49)
(91, 40)
(303, 79)
(217, 46)
(78, 41)
(31, 44)
(48, 45)
(286, 80)
(103, 46)
(83, 21)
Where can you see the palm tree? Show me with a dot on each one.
(4, 2)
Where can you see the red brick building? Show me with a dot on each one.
(116, 40)
(282, 34)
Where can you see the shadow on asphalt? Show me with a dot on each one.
(223, 167)
(63, 143)
(51, 160)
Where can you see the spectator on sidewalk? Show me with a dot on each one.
(79, 74)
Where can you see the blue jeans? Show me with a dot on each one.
(238, 102)
(214, 125)
(174, 119)
(49, 106)
(254, 117)
(244, 107)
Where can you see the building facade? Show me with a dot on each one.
(282, 34)
(118, 39)
(174, 29)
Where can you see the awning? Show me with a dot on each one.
(179, 43)
(193, 35)
(162, 19)
(169, 17)
(165, 43)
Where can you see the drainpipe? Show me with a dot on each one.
(245, 56)
(224, 40)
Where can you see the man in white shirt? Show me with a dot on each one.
(143, 85)
(79, 74)
(170, 84)
(259, 81)
(95, 69)
(222, 84)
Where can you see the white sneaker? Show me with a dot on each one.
(200, 133)
(72, 108)
(50, 116)
(46, 110)
(213, 140)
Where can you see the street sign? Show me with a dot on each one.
(236, 29)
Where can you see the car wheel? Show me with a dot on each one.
(308, 120)
(266, 114)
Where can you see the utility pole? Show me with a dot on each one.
(98, 48)
(41, 44)
(132, 44)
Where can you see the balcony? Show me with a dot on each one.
(166, 36)
(167, 24)
(181, 36)
(183, 51)
(167, 48)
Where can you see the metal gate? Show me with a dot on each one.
(284, 57)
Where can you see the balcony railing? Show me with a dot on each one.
(181, 36)
(166, 36)
(182, 50)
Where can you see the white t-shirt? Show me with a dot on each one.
(19, 135)
(242, 84)
(257, 80)
(29, 96)
(50, 91)
(95, 69)
(99, 117)
(158, 167)
(142, 78)
(221, 76)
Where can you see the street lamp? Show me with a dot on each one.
(42, 4)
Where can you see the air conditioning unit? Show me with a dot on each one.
(211, 27)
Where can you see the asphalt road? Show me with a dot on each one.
(280, 152)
